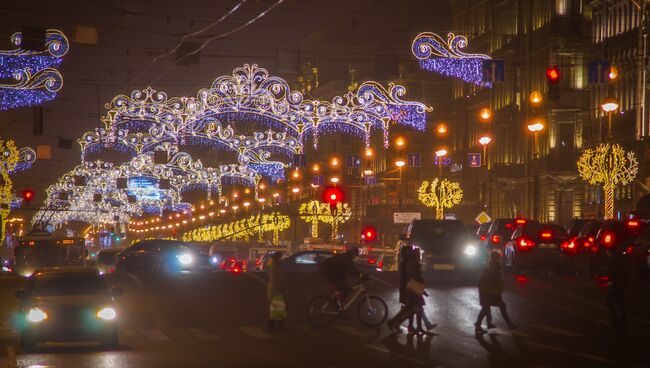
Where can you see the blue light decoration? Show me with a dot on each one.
(29, 78)
(445, 57)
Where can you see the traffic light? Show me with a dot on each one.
(369, 234)
(553, 82)
(333, 196)
(28, 195)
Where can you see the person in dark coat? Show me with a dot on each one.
(275, 284)
(414, 302)
(489, 290)
(403, 280)
(618, 276)
(338, 268)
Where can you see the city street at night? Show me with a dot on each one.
(218, 320)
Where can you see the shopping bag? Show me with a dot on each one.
(278, 308)
(415, 287)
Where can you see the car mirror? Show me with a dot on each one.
(21, 294)
(403, 237)
(117, 291)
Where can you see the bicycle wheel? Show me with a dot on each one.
(372, 311)
(321, 311)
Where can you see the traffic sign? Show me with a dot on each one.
(474, 159)
(599, 71)
(406, 217)
(482, 218)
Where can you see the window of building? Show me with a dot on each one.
(561, 7)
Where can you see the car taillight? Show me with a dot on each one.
(545, 234)
(569, 245)
(111, 269)
(495, 239)
(608, 239)
(236, 270)
(633, 224)
(371, 261)
(629, 250)
(483, 237)
(524, 243)
(380, 264)
(520, 221)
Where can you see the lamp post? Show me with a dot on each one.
(485, 114)
(440, 154)
(400, 164)
(484, 141)
(535, 127)
(609, 104)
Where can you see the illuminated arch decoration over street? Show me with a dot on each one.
(446, 57)
(31, 77)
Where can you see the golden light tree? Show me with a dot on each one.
(608, 165)
(275, 222)
(440, 194)
(339, 215)
(10, 160)
(314, 212)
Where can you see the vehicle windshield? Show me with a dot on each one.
(60, 285)
(48, 253)
(432, 231)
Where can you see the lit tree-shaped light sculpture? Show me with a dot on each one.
(13, 159)
(338, 215)
(276, 223)
(315, 212)
(608, 165)
(440, 194)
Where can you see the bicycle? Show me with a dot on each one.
(322, 310)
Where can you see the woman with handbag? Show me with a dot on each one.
(489, 290)
(414, 293)
(274, 291)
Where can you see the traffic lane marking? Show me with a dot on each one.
(594, 357)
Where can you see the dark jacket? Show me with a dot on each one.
(414, 271)
(490, 287)
(339, 266)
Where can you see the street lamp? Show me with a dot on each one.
(535, 127)
(535, 98)
(442, 128)
(369, 152)
(485, 114)
(400, 142)
(484, 141)
(315, 168)
(441, 153)
(335, 179)
(609, 104)
(400, 164)
(334, 162)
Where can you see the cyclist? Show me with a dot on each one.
(338, 268)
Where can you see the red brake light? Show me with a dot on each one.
(371, 261)
(495, 239)
(483, 237)
(545, 234)
(633, 224)
(524, 243)
(520, 221)
(608, 239)
(629, 250)
(235, 270)
(380, 264)
(509, 225)
(570, 245)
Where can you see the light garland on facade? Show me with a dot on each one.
(608, 165)
(445, 57)
(12, 160)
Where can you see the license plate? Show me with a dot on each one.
(444, 266)
(548, 246)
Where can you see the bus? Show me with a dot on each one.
(38, 250)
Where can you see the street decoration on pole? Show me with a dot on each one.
(29, 78)
(440, 194)
(446, 57)
(338, 215)
(245, 228)
(315, 212)
(13, 159)
(608, 165)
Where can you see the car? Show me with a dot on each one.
(445, 245)
(500, 232)
(305, 261)
(151, 256)
(576, 226)
(613, 235)
(481, 233)
(106, 260)
(67, 304)
(539, 247)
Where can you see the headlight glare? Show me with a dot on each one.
(470, 250)
(36, 315)
(184, 258)
(107, 314)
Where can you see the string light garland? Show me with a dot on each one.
(609, 166)
(31, 77)
(446, 57)
(440, 194)
(13, 159)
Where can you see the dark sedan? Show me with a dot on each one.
(166, 256)
(539, 247)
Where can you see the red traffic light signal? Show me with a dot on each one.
(28, 195)
(369, 234)
(333, 195)
(553, 75)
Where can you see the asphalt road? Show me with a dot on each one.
(219, 320)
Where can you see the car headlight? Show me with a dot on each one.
(107, 314)
(184, 258)
(214, 260)
(470, 250)
(36, 315)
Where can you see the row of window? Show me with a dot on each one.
(612, 20)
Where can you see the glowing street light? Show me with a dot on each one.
(369, 152)
(400, 142)
(262, 186)
(368, 171)
(315, 168)
(334, 162)
(535, 127)
(535, 98)
(441, 153)
(485, 114)
(400, 163)
(609, 104)
(335, 179)
(484, 141)
(295, 174)
(442, 128)
(295, 190)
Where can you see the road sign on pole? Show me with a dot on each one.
(474, 159)
(482, 218)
